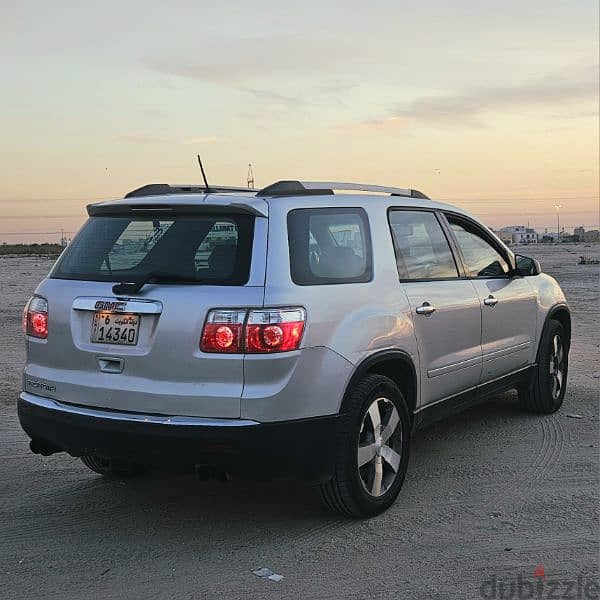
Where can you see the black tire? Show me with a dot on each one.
(347, 492)
(541, 394)
(111, 468)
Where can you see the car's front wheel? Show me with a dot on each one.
(373, 449)
(111, 468)
(546, 391)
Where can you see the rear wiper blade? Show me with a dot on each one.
(133, 287)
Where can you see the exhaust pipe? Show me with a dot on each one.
(38, 446)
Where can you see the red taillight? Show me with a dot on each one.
(274, 330)
(272, 335)
(35, 318)
(224, 336)
(223, 331)
(253, 331)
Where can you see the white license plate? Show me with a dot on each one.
(115, 328)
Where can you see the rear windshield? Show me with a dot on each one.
(196, 249)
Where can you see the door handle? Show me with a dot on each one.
(110, 364)
(490, 301)
(425, 309)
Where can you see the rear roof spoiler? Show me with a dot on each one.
(165, 189)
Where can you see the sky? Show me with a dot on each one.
(490, 106)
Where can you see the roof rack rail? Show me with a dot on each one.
(311, 188)
(164, 189)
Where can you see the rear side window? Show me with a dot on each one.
(195, 249)
(329, 245)
(422, 250)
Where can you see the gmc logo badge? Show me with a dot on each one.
(106, 305)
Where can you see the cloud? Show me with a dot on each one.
(149, 139)
(251, 116)
(273, 69)
(336, 86)
(275, 98)
(141, 139)
(241, 61)
(387, 123)
(465, 108)
(208, 139)
(320, 94)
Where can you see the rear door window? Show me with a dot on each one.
(422, 250)
(195, 249)
(329, 245)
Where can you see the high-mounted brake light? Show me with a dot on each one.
(253, 331)
(35, 317)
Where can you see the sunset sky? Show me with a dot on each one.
(489, 105)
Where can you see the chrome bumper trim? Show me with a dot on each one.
(117, 415)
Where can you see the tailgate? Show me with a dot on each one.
(141, 353)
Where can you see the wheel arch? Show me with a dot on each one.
(562, 314)
(395, 364)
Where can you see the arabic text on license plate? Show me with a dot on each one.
(115, 328)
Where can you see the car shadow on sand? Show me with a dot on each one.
(183, 506)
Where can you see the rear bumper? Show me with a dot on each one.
(301, 448)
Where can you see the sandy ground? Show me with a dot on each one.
(490, 493)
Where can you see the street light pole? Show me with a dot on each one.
(558, 207)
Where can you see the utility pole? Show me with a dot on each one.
(250, 178)
(558, 207)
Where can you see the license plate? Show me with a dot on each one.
(115, 328)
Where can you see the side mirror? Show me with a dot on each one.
(526, 266)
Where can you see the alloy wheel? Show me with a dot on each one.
(557, 366)
(379, 447)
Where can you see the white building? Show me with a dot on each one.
(504, 236)
(519, 234)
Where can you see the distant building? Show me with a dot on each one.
(505, 237)
(581, 235)
(569, 238)
(519, 234)
(593, 235)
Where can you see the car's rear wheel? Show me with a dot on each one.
(546, 391)
(110, 467)
(372, 452)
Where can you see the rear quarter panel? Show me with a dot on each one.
(352, 320)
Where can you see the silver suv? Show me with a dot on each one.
(289, 331)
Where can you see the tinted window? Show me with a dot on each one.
(482, 259)
(208, 249)
(422, 250)
(329, 245)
